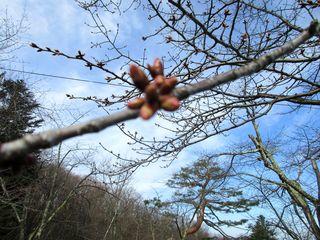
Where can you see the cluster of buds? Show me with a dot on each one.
(157, 93)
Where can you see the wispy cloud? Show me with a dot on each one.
(60, 24)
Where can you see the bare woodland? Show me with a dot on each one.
(237, 63)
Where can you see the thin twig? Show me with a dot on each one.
(30, 143)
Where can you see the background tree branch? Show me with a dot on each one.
(30, 143)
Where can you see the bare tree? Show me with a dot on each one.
(298, 175)
(264, 44)
(207, 38)
(10, 31)
(283, 175)
(51, 138)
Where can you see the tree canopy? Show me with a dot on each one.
(261, 230)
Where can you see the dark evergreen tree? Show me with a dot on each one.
(17, 117)
(17, 114)
(261, 230)
(17, 109)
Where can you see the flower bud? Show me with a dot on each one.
(156, 69)
(170, 103)
(136, 103)
(168, 85)
(227, 12)
(163, 98)
(172, 81)
(33, 45)
(151, 93)
(159, 80)
(139, 78)
(147, 110)
(157, 64)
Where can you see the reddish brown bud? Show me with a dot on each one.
(151, 93)
(157, 64)
(139, 78)
(170, 104)
(163, 98)
(165, 88)
(136, 103)
(168, 85)
(227, 12)
(244, 36)
(159, 80)
(147, 110)
(172, 81)
(156, 69)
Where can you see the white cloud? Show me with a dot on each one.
(60, 23)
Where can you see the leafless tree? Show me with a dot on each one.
(50, 138)
(282, 173)
(298, 176)
(207, 38)
(10, 31)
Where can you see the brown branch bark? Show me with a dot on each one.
(51, 138)
(195, 228)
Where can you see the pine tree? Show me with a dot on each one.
(17, 117)
(17, 114)
(261, 230)
(206, 182)
(17, 109)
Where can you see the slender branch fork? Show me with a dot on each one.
(47, 139)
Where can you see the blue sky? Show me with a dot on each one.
(61, 24)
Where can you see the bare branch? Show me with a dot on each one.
(51, 138)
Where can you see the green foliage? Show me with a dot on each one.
(261, 230)
(17, 109)
(206, 180)
(17, 117)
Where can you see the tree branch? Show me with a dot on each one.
(30, 143)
